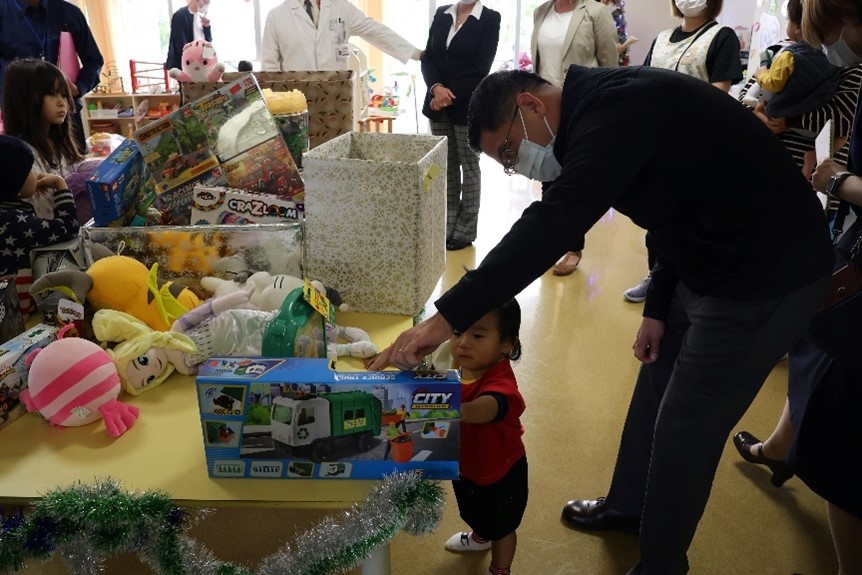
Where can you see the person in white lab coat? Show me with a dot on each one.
(313, 34)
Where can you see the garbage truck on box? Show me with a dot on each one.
(317, 425)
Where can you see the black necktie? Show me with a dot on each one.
(309, 10)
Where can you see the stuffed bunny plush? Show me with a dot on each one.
(200, 64)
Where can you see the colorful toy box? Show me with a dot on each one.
(220, 205)
(294, 418)
(13, 371)
(120, 186)
(375, 219)
(11, 320)
(231, 131)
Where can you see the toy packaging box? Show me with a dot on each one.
(219, 205)
(375, 217)
(13, 371)
(294, 418)
(230, 130)
(120, 186)
(11, 320)
(333, 105)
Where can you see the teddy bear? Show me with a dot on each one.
(200, 64)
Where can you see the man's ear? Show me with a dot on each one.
(530, 102)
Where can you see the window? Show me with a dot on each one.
(282, 413)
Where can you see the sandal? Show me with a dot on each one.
(567, 264)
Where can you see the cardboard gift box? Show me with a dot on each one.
(13, 371)
(185, 254)
(294, 418)
(375, 219)
(220, 205)
(329, 96)
(120, 187)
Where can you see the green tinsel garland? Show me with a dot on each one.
(85, 524)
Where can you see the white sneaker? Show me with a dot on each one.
(463, 542)
(637, 294)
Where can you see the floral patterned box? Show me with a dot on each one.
(375, 219)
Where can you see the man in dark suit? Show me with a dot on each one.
(183, 30)
(461, 46)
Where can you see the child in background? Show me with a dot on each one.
(800, 78)
(492, 487)
(37, 106)
(20, 227)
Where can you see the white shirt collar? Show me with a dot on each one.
(475, 13)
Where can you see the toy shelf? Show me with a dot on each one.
(104, 112)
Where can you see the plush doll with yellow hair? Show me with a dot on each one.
(144, 357)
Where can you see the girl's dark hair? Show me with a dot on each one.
(794, 12)
(509, 323)
(27, 82)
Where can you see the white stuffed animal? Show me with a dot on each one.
(269, 293)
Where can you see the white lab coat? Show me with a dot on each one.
(292, 43)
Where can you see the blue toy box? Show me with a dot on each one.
(295, 418)
(121, 186)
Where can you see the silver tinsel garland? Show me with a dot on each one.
(84, 525)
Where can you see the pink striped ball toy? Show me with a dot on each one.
(73, 381)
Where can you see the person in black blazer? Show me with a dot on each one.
(183, 31)
(461, 46)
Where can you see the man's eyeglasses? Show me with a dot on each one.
(508, 156)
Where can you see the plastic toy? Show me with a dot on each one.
(200, 64)
(74, 382)
(123, 284)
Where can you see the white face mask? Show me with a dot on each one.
(537, 162)
(840, 54)
(691, 8)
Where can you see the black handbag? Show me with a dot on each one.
(837, 327)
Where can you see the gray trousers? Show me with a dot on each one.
(713, 359)
(463, 182)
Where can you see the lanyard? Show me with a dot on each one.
(43, 42)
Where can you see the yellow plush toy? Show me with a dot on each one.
(123, 284)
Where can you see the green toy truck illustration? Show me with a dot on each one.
(317, 425)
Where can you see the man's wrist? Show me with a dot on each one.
(431, 89)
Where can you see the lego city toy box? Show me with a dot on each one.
(295, 418)
(120, 187)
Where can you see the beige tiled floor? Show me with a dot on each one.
(577, 374)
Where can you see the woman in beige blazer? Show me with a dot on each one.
(567, 32)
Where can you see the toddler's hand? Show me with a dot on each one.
(47, 182)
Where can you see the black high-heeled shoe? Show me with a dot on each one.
(744, 441)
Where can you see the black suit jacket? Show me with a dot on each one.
(182, 32)
(462, 65)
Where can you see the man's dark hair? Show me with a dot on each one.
(493, 101)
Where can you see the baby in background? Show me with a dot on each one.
(798, 80)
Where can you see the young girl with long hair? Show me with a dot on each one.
(37, 108)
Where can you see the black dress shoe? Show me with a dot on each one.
(455, 245)
(594, 515)
(744, 441)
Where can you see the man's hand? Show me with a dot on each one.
(412, 345)
(443, 95)
(648, 339)
(73, 88)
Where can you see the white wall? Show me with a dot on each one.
(644, 20)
